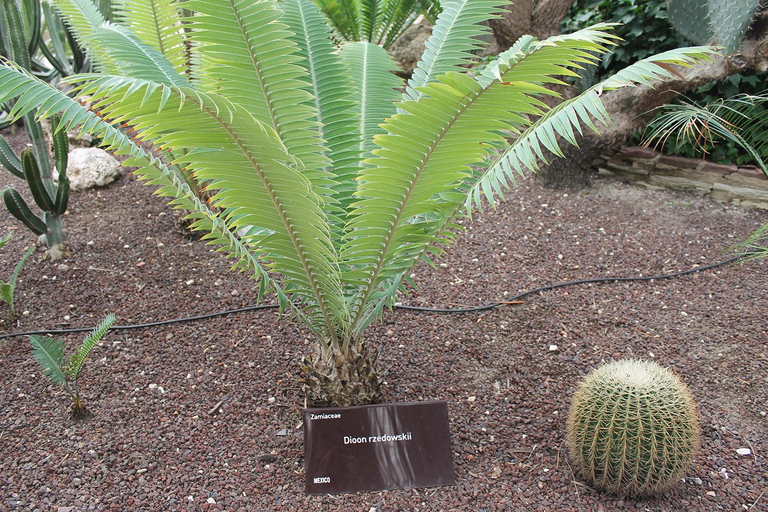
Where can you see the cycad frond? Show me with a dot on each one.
(49, 353)
(452, 43)
(246, 56)
(417, 178)
(374, 89)
(257, 182)
(157, 23)
(330, 86)
(113, 48)
(344, 16)
(76, 361)
(567, 118)
(31, 92)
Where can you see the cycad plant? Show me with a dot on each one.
(65, 372)
(330, 184)
(376, 21)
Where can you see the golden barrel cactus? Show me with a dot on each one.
(633, 428)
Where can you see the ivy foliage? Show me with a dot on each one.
(646, 30)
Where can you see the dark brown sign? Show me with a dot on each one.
(377, 447)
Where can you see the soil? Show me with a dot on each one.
(153, 442)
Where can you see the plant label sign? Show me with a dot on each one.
(377, 447)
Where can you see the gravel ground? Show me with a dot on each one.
(152, 443)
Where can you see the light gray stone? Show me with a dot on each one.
(91, 168)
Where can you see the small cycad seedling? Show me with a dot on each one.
(7, 289)
(633, 428)
(49, 353)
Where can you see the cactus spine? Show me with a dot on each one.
(633, 428)
(35, 165)
(703, 21)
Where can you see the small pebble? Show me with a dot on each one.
(553, 348)
(211, 501)
(271, 400)
(190, 282)
(744, 451)
(471, 399)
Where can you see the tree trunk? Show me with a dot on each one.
(540, 19)
(334, 379)
(631, 109)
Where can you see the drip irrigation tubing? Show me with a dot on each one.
(486, 307)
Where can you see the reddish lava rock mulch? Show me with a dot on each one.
(507, 374)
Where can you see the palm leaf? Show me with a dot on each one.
(158, 24)
(417, 179)
(14, 82)
(247, 56)
(49, 354)
(330, 88)
(76, 361)
(374, 89)
(566, 120)
(246, 161)
(344, 16)
(115, 49)
(452, 43)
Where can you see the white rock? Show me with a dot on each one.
(211, 500)
(90, 168)
(553, 348)
(744, 451)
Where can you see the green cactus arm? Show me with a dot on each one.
(49, 354)
(35, 181)
(4, 240)
(9, 159)
(62, 195)
(19, 209)
(77, 360)
(60, 144)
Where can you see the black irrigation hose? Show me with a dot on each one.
(401, 306)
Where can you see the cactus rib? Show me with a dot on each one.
(19, 209)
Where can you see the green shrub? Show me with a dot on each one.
(633, 428)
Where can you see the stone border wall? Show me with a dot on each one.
(743, 186)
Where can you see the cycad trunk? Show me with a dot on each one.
(334, 379)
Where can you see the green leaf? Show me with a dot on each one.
(246, 55)
(566, 120)
(49, 354)
(374, 89)
(454, 40)
(115, 49)
(156, 23)
(329, 86)
(76, 362)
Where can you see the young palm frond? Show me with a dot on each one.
(740, 120)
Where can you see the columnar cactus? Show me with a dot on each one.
(35, 165)
(723, 21)
(633, 428)
(51, 198)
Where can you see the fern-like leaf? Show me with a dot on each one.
(158, 24)
(566, 120)
(374, 89)
(246, 55)
(16, 83)
(77, 360)
(330, 86)
(49, 354)
(453, 41)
